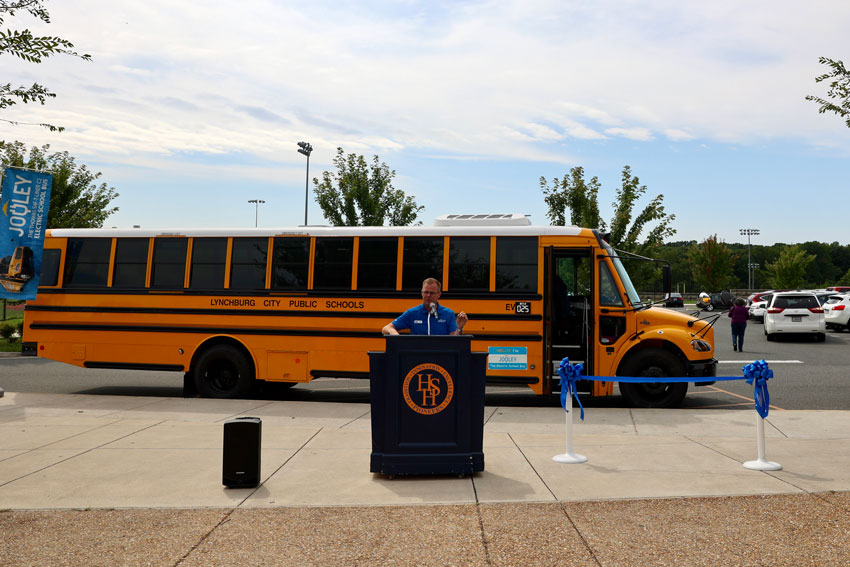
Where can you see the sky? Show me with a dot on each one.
(189, 109)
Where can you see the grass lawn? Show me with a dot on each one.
(13, 318)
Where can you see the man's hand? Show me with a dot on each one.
(461, 320)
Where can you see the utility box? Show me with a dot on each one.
(427, 395)
(241, 454)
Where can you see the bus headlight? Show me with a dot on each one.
(700, 345)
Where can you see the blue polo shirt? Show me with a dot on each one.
(419, 320)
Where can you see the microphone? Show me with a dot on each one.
(433, 308)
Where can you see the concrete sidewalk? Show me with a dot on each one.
(108, 477)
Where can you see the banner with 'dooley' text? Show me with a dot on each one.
(24, 202)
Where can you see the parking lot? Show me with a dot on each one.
(808, 375)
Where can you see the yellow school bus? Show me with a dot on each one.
(232, 307)
(17, 269)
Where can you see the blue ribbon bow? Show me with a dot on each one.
(570, 374)
(759, 373)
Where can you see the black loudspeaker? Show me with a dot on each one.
(241, 460)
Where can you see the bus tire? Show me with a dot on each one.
(223, 371)
(654, 363)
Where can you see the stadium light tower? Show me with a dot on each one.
(749, 232)
(306, 149)
(257, 203)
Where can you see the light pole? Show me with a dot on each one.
(750, 232)
(257, 203)
(306, 149)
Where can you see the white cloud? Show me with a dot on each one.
(637, 134)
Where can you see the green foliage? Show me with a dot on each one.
(581, 199)
(573, 194)
(24, 45)
(76, 200)
(711, 264)
(6, 331)
(845, 279)
(790, 269)
(359, 194)
(839, 90)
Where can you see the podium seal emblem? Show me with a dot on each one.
(428, 389)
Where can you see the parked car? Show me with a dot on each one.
(674, 300)
(836, 312)
(839, 288)
(757, 308)
(822, 295)
(794, 312)
(712, 301)
(761, 296)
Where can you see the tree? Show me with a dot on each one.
(571, 192)
(76, 201)
(839, 90)
(582, 201)
(24, 45)
(358, 194)
(845, 279)
(711, 264)
(789, 270)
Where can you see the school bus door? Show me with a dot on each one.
(569, 309)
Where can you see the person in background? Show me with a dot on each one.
(739, 314)
(429, 317)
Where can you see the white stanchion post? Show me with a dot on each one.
(761, 464)
(569, 456)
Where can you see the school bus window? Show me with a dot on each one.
(290, 263)
(50, 267)
(209, 256)
(423, 258)
(248, 263)
(87, 262)
(469, 263)
(608, 294)
(332, 269)
(516, 263)
(377, 263)
(169, 263)
(131, 262)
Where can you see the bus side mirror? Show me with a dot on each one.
(666, 279)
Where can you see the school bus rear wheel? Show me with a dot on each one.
(223, 371)
(655, 363)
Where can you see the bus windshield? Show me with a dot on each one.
(631, 292)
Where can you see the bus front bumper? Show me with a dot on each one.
(703, 368)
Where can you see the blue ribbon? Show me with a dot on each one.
(758, 373)
(570, 374)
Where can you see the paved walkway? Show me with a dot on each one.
(109, 480)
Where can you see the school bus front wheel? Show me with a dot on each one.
(653, 363)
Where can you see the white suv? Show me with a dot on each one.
(793, 312)
(837, 312)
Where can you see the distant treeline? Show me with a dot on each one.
(832, 262)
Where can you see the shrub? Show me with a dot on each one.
(6, 331)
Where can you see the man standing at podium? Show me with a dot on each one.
(429, 317)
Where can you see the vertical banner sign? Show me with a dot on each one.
(24, 203)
